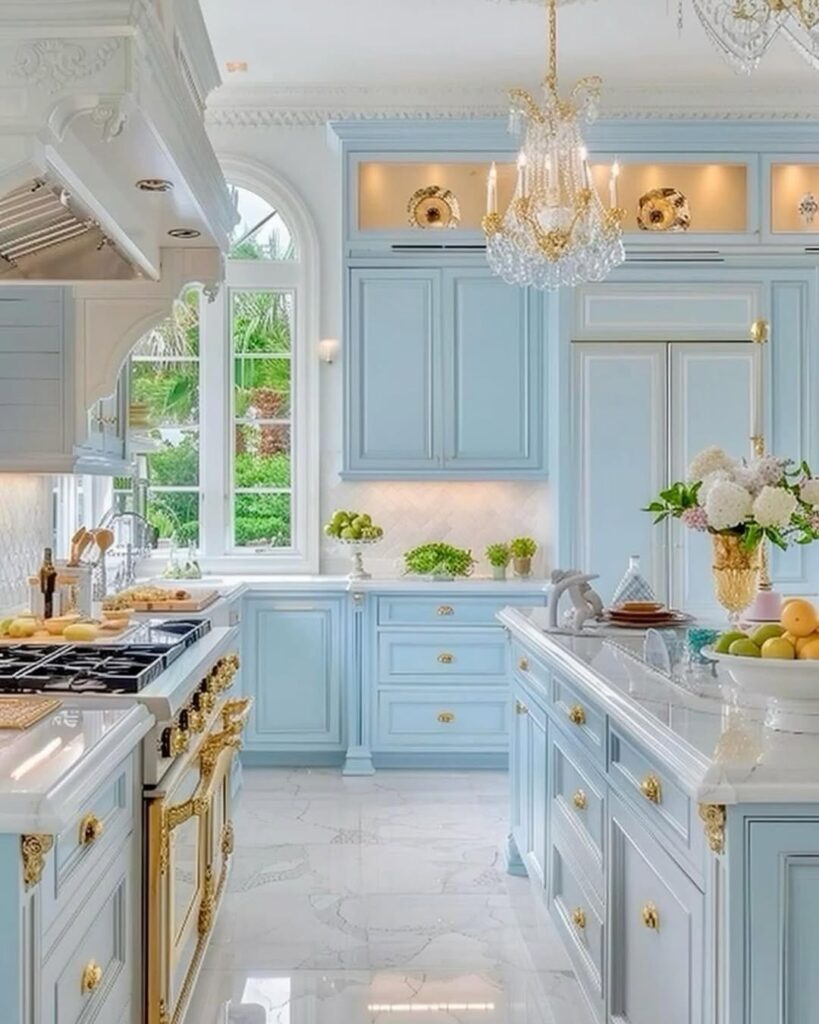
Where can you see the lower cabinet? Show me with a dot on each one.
(293, 667)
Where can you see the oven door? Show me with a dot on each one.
(190, 839)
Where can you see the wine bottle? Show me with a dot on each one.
(48, 583)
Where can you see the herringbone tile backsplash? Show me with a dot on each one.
(25, 529)
(467, 514)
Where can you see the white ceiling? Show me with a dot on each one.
(485, 46)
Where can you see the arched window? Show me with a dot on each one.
(225, 391)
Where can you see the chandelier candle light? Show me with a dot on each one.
(556, 230)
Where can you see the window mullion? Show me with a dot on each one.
(213, 423)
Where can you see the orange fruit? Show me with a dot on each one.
(802, 641)
(810, 652)
(799, 617)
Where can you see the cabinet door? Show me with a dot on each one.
(519, 774)
(493, 370)
(291, 666)
(656, 953)
(710, 404)
(620, 427)
(781, 900)
(393, 371)
(538, 794)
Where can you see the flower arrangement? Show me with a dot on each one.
(764, 498)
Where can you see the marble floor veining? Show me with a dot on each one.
(379, 901)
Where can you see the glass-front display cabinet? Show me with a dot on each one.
(792, 210)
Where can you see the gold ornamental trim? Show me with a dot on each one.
(228, 839)
(713, 816)
(207, 908)
(34, 848)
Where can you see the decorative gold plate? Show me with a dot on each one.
(433, 207)
(663, 209)
(21, 712)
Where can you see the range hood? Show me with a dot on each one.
(104, 159)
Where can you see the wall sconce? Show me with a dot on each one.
(328, 350)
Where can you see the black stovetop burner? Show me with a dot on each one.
(99, 668)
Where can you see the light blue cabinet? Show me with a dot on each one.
(292, 666)
(444, 375)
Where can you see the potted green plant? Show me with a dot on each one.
(439, 561)
(522, 550)
(498, 556)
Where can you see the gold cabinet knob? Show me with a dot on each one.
(91, 977)
(91, 828)
(446, 717)
(446, 658)
(579, 918)
(446, 609)
(651, 917)
(521, 709)
(523, 664)
(577, 714)
(652, 789)
(579, 800)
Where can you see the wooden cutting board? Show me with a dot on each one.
(195, 603)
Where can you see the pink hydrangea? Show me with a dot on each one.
(696, 519)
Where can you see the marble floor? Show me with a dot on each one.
(379, 901)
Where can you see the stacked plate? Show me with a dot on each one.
(645, 615)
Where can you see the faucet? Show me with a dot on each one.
(586, 602)
(144, 538)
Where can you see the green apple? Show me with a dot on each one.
(778, 647)
(769, 631)
(347, 533)
(723, 644)
(365, 520)
(744, 649)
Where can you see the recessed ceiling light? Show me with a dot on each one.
(184, 233)
(154, 185)
(235, 65)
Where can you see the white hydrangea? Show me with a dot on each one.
(809, 492)
(727, 505)
(708, 481)
(709, 461)
(769, 469)
(774, 506)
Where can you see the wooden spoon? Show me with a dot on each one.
(73, 552)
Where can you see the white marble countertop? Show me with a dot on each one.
(717, 749)
(48, 771)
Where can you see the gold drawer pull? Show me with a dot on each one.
(579, 918)
(446, 609)
(523, 664)
(577, 714)
(652, 789)
(91, 828)
(446, 658)
(579, 800)
(446, 717)
(521, 709)
(651, 917)
(91, 977)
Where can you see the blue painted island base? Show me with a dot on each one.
(514, 861)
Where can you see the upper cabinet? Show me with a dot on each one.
(445, 375)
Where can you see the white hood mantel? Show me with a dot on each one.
(97, 94)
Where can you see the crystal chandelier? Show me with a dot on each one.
(555, 231)
(744, 29)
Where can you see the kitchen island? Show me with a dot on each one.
(672, 835)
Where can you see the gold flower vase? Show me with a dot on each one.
(736, 571)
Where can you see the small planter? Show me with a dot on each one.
(498, 572)
(522, 566)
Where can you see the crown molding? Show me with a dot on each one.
(313, 105)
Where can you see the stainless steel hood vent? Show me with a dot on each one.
(42, 236)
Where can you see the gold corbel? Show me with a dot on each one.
(713, 816)
(34, 848)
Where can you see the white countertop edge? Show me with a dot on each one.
(686, 763)
(49, 813)
(231, 586)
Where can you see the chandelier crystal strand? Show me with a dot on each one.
(556, 230)
(744, 29)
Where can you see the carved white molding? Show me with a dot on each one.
(310, 106)
(57, 63)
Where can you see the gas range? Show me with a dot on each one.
(99, 668)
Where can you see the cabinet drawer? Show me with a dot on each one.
(83, 851)
(580, 717)
(536, 673)
(90, 973)
(579, 917)
(445, 611)
(444, 720)
(656, 966)
(442, 655)
(669, 808)
(578, 796)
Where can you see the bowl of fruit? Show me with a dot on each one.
(777, 659)
(354, 530)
